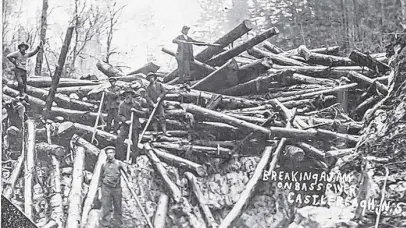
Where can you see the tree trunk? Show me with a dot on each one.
(278, 59)
(222, 58)
(173, 189)
(108, 70)
(327, 51)
(80, 90)
(29, 167)
(46, 149)
(255, 86)
(181, 162)
(147, 68)
(58, 72)
(311, 80)
(75, 195)
(94, 219)
(272, 48)
(254, 69)
(223, 77)
(225, 40)
(249, 190)
(213, 151)
(161, 211)
(93, 187)
(12, 180)
(325, 71)
(41, 82)
(42, 37)
(321, 59)
(369, 81)
(366, 60)
(211, 223)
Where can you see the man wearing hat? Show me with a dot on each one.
(126, 107)
(155, 90)
(19, 59)
(110, 192)
(112, 104)
(184, 54)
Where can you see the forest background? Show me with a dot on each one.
(128, 34)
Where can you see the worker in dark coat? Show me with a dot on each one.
(110, 192)
(155, 90)
(184, 54)
(111, 105)
(126, 107)
(19, 59)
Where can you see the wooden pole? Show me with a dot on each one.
(29, 167)
(58, 72)
(98, 117)
(181, 162)
(277, 59)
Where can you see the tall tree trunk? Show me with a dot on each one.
(403, 9)
(29, 167)
(38, 64)
(58, 72)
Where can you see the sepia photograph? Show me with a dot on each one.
(203, 114)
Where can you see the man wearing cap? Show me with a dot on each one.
(112, 104)
(155, 90)
(126, 107)
(184, 54)
(19, 59)
(110, 192)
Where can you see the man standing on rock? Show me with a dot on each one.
(110, 192)
(19, 59)
(112, 104)
(184, 54)
(155, 90)
(126, 107)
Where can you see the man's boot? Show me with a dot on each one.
(163, 126)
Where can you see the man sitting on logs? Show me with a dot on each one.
(110, 192)
(19, 59)
(112, 104)
(155, 90)
(125, 109)
(184, 54)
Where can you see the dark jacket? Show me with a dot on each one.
(110, 173)
(112, 100)
(184, 51)
(124, 113)
(154, 92)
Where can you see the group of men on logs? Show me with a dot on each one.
(124, 109)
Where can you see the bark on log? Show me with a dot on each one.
(223, 77)
(327, 51)
(249, 190)
(214, 102)
(42, 37)
(147, 68)
(49, 149)
(274, 131)
(345, 124)
(29, 167)
(75, 196)
(272, 48)
(366, 60)
(210, 221)
(181, 162)
(41, 82)
(321, 59)
(161, 211)
(369, 81)
(93, 187)
(108, 70)
(311, 80)
(254, 69)
(58, 72)
(295, 153)
(277, 59)
(294, 93)
(225, 40)
(81, 90)
(222, 58)
(212, 151)
(173, 189)
(211, 143)
(256, 86)
(12, 180)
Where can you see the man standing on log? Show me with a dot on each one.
(126, 107)
(184, 54)
(155, 90)
(112, 104)
(110, 192)
(19, 59)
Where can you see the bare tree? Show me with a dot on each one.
(114, 14)
(38, 65)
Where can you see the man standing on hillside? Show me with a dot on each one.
(112, 104)
(184, 54)
(19, 59)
